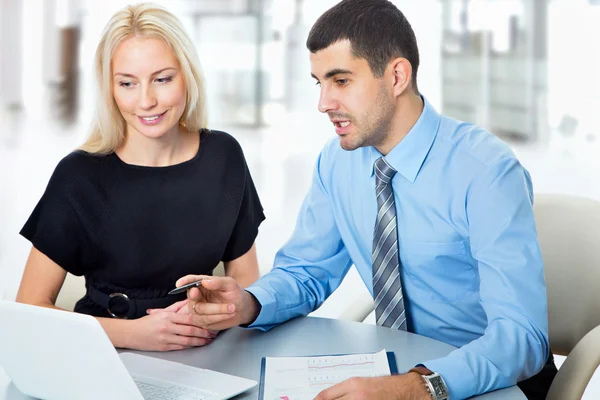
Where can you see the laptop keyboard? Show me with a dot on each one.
(162, 390)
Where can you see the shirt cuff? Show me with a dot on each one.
(457, 375)
(267, 312)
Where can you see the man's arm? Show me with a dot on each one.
(307, 270)
(512, 287)
(309, 267)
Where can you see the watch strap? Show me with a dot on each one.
(425, 373)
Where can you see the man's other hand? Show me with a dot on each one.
(409, 386)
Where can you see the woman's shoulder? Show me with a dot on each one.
(80, 161)
(213, 137)
(79, 166)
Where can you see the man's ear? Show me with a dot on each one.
(402, 75)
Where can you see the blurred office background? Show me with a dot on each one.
(527, 70)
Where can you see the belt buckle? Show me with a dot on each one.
(116, 296)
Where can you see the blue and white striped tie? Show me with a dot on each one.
(387, 284)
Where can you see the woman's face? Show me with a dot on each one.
(148, 87)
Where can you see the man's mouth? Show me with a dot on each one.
(341, 124)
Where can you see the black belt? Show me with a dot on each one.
(120, 305)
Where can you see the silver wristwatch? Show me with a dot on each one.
(436, 386)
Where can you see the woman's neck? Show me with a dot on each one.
(172, 148)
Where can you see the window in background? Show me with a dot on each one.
(574, 83)
(494, 65)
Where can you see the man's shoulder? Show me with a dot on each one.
(473, 142)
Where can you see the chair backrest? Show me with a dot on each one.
(71, 291)
(569, 233)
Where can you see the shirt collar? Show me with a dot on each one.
(408, 156)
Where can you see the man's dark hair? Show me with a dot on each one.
(377, 31)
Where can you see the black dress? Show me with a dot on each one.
(134, 230)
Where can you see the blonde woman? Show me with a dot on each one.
(150, 197)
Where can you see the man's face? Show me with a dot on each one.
(359, 105)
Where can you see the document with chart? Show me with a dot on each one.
(302, 378)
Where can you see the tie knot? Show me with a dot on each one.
(384, 171)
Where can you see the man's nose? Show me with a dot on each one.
(327, 102)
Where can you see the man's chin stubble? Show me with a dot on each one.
(348, 146)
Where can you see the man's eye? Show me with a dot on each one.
(341, 82)
(318, 83)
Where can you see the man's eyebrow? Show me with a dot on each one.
(154, 73)
(333, 72)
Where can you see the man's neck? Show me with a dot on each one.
(408, 111)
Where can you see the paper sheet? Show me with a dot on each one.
(302, 378)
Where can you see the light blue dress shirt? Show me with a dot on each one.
(471, 265)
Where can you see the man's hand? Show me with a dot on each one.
(219, 303)
(398, 387)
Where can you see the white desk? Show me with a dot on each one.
(239, 351)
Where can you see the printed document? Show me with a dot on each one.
(302, 378)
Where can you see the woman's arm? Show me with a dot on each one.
(43, 279)
(244, 269)
(41, 283)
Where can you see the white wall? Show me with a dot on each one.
(11, 52)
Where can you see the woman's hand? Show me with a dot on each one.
(168, 329)
(180, 307)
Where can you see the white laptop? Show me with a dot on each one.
(53, 354)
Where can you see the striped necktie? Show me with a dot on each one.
(387, 284)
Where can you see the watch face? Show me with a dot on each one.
(438, 386)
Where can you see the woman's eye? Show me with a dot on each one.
(164, 80)
(125, 84)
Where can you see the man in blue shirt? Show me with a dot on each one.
(436, 215)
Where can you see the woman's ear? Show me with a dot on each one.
(402, 73)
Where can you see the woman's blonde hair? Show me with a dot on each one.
(146, 20)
